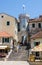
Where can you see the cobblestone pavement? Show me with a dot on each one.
(22, 55)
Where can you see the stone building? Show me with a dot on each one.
(35, 25)
(8, 27)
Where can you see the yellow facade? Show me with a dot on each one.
(11, 28)
(35, 40)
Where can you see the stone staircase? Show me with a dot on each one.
(22, 55)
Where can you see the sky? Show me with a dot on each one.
(15, 7)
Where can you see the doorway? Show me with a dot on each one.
(37, 55)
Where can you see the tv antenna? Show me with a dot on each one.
(23, 8)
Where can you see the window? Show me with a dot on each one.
(8, 23)
(36, 43)
(39, 25)
(2, 16)
(18, 27)
(2, 40)
(33, 25)
(37, 55)
(5, 40)
(23, 22)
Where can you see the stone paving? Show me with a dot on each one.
(22, 55)
(35, 63)
(14, 63)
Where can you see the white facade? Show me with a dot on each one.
(23, 24)
(23, 21)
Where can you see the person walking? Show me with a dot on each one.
(13, 44)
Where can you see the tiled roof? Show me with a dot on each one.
(4, 34)
(37, 35)
(36, 19)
